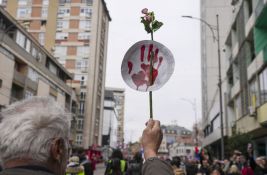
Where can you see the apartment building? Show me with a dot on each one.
(113, 121)
(119, 96)
(27, 69)
(246, 55)
(75, 32)
(209, 69)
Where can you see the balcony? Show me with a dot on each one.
(19, 78)
(256, 65)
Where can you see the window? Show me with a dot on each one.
(63, 12)
(64, 1)
(254, 93)
(28, 94)
(84, 24)
(83, 51)
(263, 86)
(28, 45)
(20, 39)
(238, 108)
(24, 12)
(83, 36)
(87, 1)
(80, 124)
(3, 2)
(24, 2)
(60, 51)
(32, 74)
(44, 12)
(79, 139)
(81, 108)
(45, 2)
(86, 11)
(62, 35)
(52, 67)
(42, 38)
(81, 64)
(34, 52)
(62, 24)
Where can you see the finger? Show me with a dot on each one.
(156, 124)
(150, 123)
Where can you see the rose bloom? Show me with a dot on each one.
(145, 11)
(148, 18)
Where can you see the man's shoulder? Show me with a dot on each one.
(21, 171)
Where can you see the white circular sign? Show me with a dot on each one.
(135, 68)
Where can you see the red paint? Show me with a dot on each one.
(149, 52)
(130, 66)
(143, 76)
(143, 47)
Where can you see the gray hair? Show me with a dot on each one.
(28, 127)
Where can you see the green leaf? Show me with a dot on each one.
(156, 25)
(146, 25)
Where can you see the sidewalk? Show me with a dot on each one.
(100, 169)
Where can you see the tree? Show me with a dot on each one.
(239, 142)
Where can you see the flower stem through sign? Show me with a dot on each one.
(151, 80)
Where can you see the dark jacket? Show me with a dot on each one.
(155, 166)
(29, 170)
(134, 168)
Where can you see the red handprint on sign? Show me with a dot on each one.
(143, 77)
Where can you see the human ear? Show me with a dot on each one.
(57, 149)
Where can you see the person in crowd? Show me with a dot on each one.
(176, 162)
(85, 162)
(226, 165)
(205, 167)
(74, 167)
(261, 167)
(191, 167)
(34, 138)
(135, 165)
(234, 170)
(151, 140)
(216, 171)
(116, 165)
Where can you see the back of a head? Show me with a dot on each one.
(117, 154)
(138, 157)
(176, 161)
(28, 128)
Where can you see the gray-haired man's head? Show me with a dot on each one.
(34, 130)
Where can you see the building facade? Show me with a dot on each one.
(209, 68)
(75, 32)
(182, 150)
(246, 48)
(243, 73)
(174, 134)
(119, 96)
(27, 69)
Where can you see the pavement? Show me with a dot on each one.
(100, 169)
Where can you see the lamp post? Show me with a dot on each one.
(194, 106)
(216, 38)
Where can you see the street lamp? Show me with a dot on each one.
(212, 29)
(194, 106)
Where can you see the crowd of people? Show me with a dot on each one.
(34, 140)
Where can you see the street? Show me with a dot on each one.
(100, 169)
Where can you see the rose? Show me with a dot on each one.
(145, 11)
(148, 18)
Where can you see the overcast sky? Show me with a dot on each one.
(181, 36)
